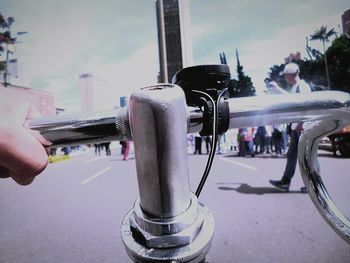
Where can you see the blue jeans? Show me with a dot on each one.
(292, 157)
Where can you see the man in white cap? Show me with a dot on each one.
(291, 75)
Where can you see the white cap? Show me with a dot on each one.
(291, 68)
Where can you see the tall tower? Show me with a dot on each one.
(87, 97)
(174, 37)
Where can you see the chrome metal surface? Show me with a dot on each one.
(310, 171)
(244, 112)
(194, 119)
(167, 224)
(76, 129)
(194, 252)
(280, 109)
(169, 232)
(158, 121)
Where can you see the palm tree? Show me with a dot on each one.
(323, 35)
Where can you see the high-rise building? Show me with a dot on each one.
(174, 38)
(345, 18)
(87, 98)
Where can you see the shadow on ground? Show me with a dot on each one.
(244, 188)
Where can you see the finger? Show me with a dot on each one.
(22, 179)
(31, 114)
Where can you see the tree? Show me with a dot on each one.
(323, 35)
(314, 54)
(242, 87)
(339, 63)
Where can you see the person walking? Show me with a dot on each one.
(197, 144)
(291, 74)
(107, 148)
(245, 136)
(277, 139)
(260, 139)
(125, 149)
(268, 139)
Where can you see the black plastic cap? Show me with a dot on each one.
(203, 77)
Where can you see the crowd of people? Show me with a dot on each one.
(265, 140)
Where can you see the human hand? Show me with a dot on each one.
(22, 151)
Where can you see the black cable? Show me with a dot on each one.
(213, 144)
(214, 139)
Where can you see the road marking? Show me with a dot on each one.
(240, 164)
(94, 176)
(93, 159)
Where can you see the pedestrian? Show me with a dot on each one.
(260, 140)
(197, 144)
(268, 139)
(107, 148)
(245, 136)
(221, 143)
(291, 74)
(277, 139)
(125, 149)
(97, 149)
(207, 140)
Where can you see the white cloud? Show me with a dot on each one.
(120, 79)
(57, 87)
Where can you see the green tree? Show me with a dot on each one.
(339, 63)
(243, 86)
(323, 35)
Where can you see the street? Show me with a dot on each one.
(73, 211)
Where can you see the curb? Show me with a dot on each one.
(58, 158)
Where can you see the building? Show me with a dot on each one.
(174, 38)
(87, 95)
(345, 19)
(43, 101)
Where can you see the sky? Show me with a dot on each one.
(116, 40)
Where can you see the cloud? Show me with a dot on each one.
(120, 79)
(57, 87)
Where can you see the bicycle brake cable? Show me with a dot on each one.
(214, 139)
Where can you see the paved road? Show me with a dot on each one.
(72, 213)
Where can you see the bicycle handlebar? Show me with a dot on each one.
(167, 219)
(114, 125)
